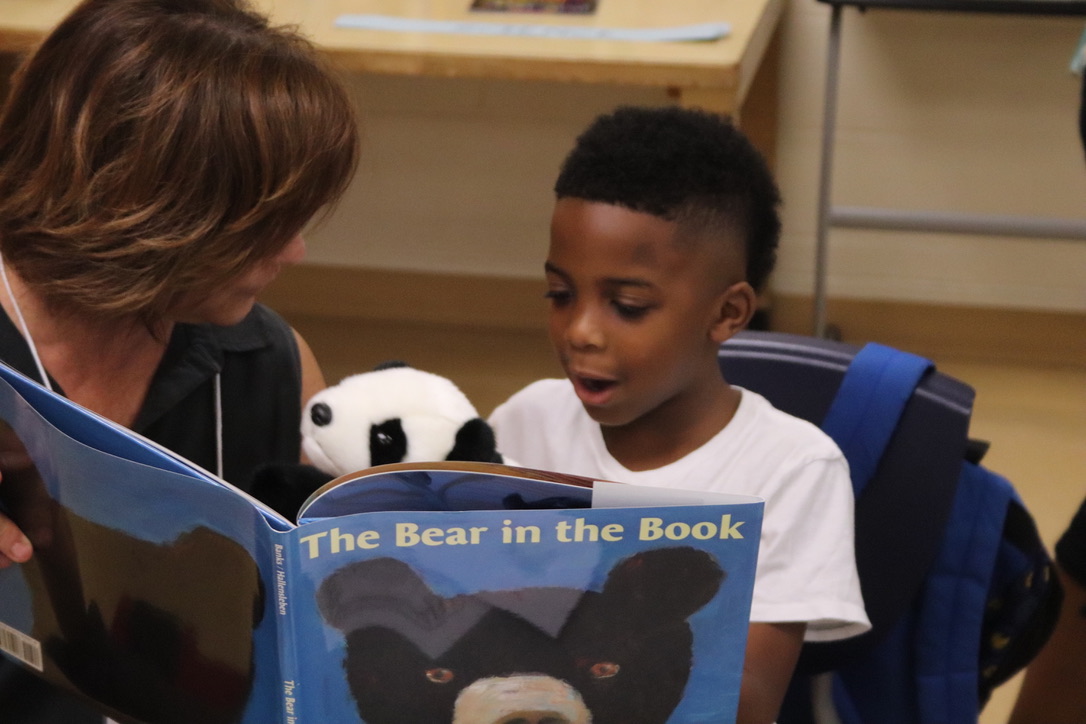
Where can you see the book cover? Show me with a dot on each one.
(454, 592)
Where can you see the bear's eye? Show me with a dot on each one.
(604, 670)
(320, 414)
(440, 676)
(388, 443)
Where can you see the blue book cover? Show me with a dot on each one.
(459, 593)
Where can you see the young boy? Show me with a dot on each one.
(664, 229)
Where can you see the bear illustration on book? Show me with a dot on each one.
(153, 632)
(554, 654)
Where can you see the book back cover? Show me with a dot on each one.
(144, 595)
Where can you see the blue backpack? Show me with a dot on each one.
(957, 583)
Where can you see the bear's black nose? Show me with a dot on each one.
(320, 414)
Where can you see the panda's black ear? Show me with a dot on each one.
(390, 365)
(475, 442)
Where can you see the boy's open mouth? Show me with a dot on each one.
(594, 385)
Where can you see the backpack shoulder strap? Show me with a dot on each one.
(862, 418)
(954, 605)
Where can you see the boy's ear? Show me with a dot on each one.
(735, 307)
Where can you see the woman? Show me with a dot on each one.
(158, 161)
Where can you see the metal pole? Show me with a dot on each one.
(873, 217)
(829, 120)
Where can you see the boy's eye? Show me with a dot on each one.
(559, 297)
(630, 311)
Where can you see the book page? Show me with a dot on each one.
(446, 486)
(607, 494)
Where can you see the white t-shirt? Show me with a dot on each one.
(806, 562)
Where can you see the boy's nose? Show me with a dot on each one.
(584, 330)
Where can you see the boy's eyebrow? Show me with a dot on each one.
(611, 281)
(628, 282)
(552, 269)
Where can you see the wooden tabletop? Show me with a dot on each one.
(722, 69)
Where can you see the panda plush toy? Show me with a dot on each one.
(392, 414)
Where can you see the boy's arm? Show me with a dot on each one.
(772, 651)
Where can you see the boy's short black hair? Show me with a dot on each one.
(684, 165)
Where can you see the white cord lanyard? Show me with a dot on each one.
(26, 330)
(49, 386)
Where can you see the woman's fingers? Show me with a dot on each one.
(14, 546)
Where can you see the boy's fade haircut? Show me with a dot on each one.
(154, 148)
(684, 165)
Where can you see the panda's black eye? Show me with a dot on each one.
(440, 676)
(604, 669)
(320, 414)
(388, 443)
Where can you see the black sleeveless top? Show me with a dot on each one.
(261, 391)
(261, 382)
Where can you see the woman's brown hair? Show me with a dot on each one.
(154, 148)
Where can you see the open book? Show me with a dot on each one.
(453, 592)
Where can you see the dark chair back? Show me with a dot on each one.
(901, 514)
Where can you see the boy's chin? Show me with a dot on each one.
(607, 417)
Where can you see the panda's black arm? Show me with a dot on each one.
(284, 487)
(475, 442)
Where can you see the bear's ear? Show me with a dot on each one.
(390, 365)
(475, 442)
(361, 593)
(665, 582)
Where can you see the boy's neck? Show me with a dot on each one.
(663, 437)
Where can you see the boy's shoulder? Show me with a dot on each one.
(770, 428)
(543, 424)
(550, 395)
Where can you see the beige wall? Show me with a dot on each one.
(954, 112)
(456, 175)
